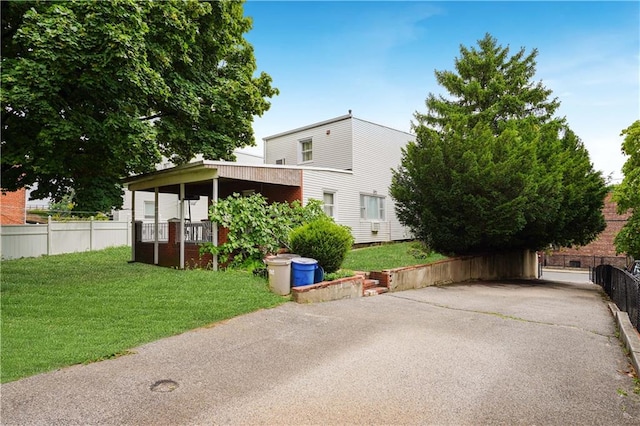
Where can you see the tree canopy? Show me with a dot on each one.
(627, 194)
(492, 168)
(95, 91)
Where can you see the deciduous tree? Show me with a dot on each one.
(95, 91)
(627, 194)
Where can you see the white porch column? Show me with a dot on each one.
(156, 230)
(214, 226)
(182, 226)
(133, 226)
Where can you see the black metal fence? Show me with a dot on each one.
(622, 287)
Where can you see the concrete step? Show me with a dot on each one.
(374, 291)
(370, 284)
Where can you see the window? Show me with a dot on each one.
(371, 207)
(329, 203)
(281, 161)
(306, 150)
(149, 209)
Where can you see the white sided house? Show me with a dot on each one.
(346, 162)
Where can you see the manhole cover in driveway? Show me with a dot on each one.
(165, 385)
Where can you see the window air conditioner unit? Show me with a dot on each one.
(375, 226)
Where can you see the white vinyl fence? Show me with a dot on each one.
(62, 237)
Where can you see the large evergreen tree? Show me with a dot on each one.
(627, 194)
(95, 91)
(492, 168)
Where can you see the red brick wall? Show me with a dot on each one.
(169, 252)
(602, 250)
(12, 207)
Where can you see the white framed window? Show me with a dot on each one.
(306, 150)
(149, 209)
(329, 203)
(372, 207)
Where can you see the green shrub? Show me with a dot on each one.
(323, 240)
(256, 227)
(340, 273)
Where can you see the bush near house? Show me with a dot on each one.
(322, 240)
(256, 227)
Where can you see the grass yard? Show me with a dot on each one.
(388, 256)
(77, 308)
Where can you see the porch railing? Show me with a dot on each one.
(148, 232)
(199, 232)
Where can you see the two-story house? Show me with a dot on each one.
(347, 164)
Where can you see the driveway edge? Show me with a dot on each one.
(628, 334)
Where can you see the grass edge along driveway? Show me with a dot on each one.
(82, 307)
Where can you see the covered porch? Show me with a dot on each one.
(177, 242)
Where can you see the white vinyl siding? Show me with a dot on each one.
(365, 153)
(331, 146)
(317, 182)
(168, 207)
(377, 149)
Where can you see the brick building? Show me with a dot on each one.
(13, 207)
(601, 251)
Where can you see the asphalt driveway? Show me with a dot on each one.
(479, 353)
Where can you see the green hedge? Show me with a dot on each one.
(322, 240)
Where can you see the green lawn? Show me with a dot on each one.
(76, 308)
(387, 256)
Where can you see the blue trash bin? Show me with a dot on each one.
(303, 271)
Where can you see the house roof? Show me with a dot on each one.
(310, 126)
(330, 121)
(206, 170)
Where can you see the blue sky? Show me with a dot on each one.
(378, 59)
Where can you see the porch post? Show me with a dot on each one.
(133, 226)
(155, 229)
(182, 226)
(214, 226)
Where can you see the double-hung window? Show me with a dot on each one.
(328, 199)
(306, 150)
(149, 209)
(372, 207)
